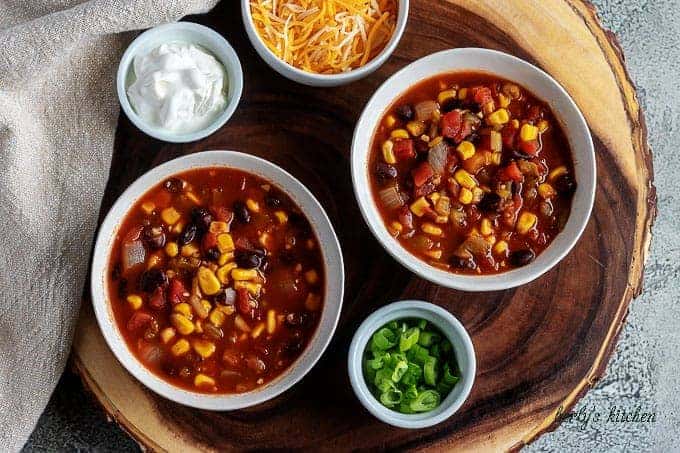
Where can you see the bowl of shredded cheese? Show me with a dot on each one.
(325, 42)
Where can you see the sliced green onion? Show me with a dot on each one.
(425, 401)
(430, 371)
(408, 339)
(428, 338)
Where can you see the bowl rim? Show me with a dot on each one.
(309, 78)
(232, 68)
(476, 283)
(333, 297)
(406, 309)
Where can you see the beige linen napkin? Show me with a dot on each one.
(58, 111)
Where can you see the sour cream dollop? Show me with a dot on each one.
(178, 87)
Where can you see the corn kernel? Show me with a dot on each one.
(399, 133)
(170, 215)
(184, 309)
(556, 173)
(435, 141)
(462, 93)
(465, 150)
(241, 324)
(135, 301)
(441, 219)
(201, 380)
(490, 239)
(193, 198)
(503, 100)
(253, 288)
(148, 207)
(217, 317)
(542, 126)
(419, 206)
(465, 195)
(181, 347)
(488, 108)
(281, 217)
(271, 321)
(396, 227)
(154, 260)
(434, 196)
(436, 254)
(496, 141)
(225, 258)
(415, 128)
(178, 227)
(167, 335)
(225, 243)
(226, 309)
(388, 152)
(257, 330)
(264, 239)
(224, 271)
(485, 227)
(312, 277)
(204, 348)
(499, 117)
(431, 229)
(443, 206)
(198, 325)
(445, 96)
(465, 179)
(546, 191)
(515, 124)
(526, 222)
(252, 205)
(189, 250)
(206, 308)
(171, 249)
(243, 274)
(219, 227)
(500, 248)
(390, 121)
(496, 158)
(528, 132)
(313, 302)
(477, 194)
(208, 282)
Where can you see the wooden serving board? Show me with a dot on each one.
(539, 347)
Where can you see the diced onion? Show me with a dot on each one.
(437, 157)
(425, 110)
(390, 198)
(133, 254)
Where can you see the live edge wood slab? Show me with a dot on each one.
(539, 348)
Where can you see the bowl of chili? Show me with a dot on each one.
(217, 280)
(412, 364)
(474, 169)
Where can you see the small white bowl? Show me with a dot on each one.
(507, 67)
(332, 258)
(188, 32)
(323, 80)
(449, 326)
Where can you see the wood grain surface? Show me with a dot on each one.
(539, 347)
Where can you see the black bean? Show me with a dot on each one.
(297, 319)
(247, 259)
(173, 185)
(460, 262)
(421, 147)
(122, 288)
(405, 112)
(212, 254)
(490, 202)
(451, 104)
(226, 297)
(565, 185)
(385, 171)
(520, 258)
(272, 201)
(152, 279)
(520, 155)
(241, 213)
(188, 235)
(202, 218)
(115, 272)
(292, 347)
(154, 237)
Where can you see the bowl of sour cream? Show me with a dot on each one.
(179, 82)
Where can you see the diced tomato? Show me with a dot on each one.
(451, 124)
(422, 173)
(176, 291)
(531, 148)
(508, 135)
(404, 149)
(209, 241)
(451, 163)
(406, 218)
(157, 300)
(510, 173)
(138, 320)
(222, 214)
(425, 189)
(484, 142)
(481, 94)
(243, 243)
(243, 302)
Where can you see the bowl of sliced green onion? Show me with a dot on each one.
(412, 364)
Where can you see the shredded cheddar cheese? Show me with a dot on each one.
(325, 36)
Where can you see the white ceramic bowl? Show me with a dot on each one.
(449, 326)
(526, 75)
(332, 257)
(193, 33)
(323, 80)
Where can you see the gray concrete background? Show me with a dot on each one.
(644, 371)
